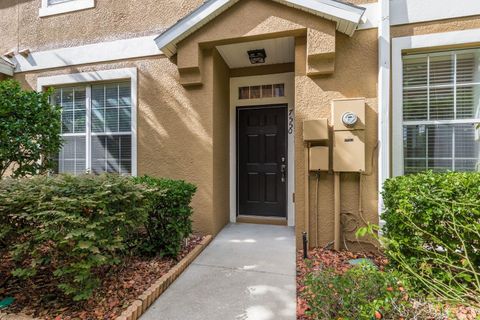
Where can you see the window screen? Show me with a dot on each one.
(107, 145)
(440, 111)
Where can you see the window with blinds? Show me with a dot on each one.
(441, 111)
(96, 127)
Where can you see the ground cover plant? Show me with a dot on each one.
(75, 232)
(329, 287)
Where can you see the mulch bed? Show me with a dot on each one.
(321, 258)
(121, 285)
(327, 259)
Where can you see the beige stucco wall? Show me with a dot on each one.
(183, 131)
(22, 27)
(109, 20)
(175, 130)
(355, 76)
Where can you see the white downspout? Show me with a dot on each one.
(384, 62)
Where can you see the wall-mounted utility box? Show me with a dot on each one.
(349, 151)
(342, 108)
(315, 130)
(319, 159)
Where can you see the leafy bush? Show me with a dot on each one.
(169, 216)
(73, 224)
(29, 130)
(362, 292)
(432, 231)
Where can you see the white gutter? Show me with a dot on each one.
(384, 63)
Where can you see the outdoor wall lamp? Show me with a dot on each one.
(257, 56)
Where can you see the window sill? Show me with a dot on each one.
(66, 7)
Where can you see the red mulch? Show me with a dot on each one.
(121, 285)
(323, 259)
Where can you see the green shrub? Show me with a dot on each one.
(29, 130)
(363, 292)
(169, 215)
(72, 224)
(432, 231)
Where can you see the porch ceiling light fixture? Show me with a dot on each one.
(257, 56)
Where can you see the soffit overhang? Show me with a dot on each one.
(346, 17)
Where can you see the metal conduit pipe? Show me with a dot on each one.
(337, 218)
(307, 189)
(317, 208)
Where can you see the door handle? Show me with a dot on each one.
(283, 170)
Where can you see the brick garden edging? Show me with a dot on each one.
(148, 297)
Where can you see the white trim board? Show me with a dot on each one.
(346, 16)
(91, 53)
(288, 99)
(104, 75)
(414, 11)
(399, 46)
(6, 67)
(384, 67)
(69, 6)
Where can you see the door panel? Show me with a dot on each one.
(262, 161)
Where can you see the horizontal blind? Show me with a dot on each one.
(440, 111)
(110, 134)
(111, 128)
(72, 157)
(112, 154)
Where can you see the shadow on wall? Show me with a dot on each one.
(172, 138)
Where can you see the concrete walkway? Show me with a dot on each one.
(247, 272)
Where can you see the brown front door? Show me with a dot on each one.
(262, 161)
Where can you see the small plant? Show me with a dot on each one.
(362, 292)
(29, 130)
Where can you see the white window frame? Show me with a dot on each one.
(69, 6)
(447, 41)
(91, 78)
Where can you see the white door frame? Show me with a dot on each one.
(288, 99)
